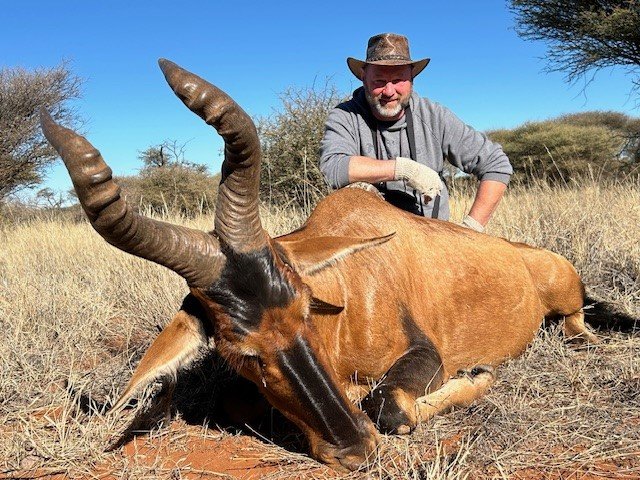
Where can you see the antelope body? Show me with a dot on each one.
(363, 294)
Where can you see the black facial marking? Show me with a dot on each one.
(249, 284)
(318, 395)
(417, 372)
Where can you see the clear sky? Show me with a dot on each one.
(479, 67)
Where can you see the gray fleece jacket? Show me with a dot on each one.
(439, 136)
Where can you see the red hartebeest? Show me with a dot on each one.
(363, 293)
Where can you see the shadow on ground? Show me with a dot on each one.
(209, 395)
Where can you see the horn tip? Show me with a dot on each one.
(167, 66)
(45, 117)
(47, 123)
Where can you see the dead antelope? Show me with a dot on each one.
(362, 294)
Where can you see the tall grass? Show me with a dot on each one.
(75, 314)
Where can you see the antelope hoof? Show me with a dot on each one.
(584, 339)
(477, 371)
(383, 408)
(403, 430)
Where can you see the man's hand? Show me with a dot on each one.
(472, 223)
(419, 177)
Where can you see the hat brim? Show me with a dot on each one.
(356, 65)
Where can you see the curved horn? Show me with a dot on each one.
(237, 221)
(193, 254)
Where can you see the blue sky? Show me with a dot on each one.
(479, 67)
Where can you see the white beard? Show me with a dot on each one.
(385, 111)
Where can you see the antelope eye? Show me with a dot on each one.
(257, 359)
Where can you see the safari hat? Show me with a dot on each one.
(387, 49)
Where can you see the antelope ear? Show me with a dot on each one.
(324, 308)
(311, 255)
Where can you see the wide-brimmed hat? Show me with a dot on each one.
(387, 49)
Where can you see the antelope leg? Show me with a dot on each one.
(176, 347)
(460, 391)
(576, 330)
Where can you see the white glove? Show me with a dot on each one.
(472, 223)
(418, 176)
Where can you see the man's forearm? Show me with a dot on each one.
(488, 197)
(365, 169)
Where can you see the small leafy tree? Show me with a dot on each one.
(154, 157)
(169, 183)
(24, 152)
(168, 153)
(50, 199)
(290, 140)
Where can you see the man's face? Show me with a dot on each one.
(388, 89)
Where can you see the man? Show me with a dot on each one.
(389, 136)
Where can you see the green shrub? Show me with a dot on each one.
(290, 140)
(572, 146)
(624, 127)
(174, 188)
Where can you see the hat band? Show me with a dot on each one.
(389, 57)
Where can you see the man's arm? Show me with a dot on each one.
(365, 169)
(472, 152)
(488, 196)
(417, 176)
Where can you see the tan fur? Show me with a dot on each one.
(479, 299)
(176, 347)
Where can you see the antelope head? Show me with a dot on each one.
(257, 304)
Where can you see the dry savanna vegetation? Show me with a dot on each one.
(77, 314)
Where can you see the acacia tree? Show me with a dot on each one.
(573, 146)
(24, 152)
(168, 182)
(290, 140)
(168, 154)
(583, 35)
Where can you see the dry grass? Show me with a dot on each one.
(76, 314)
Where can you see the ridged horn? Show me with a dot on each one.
(237, 221)
(193, 254)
